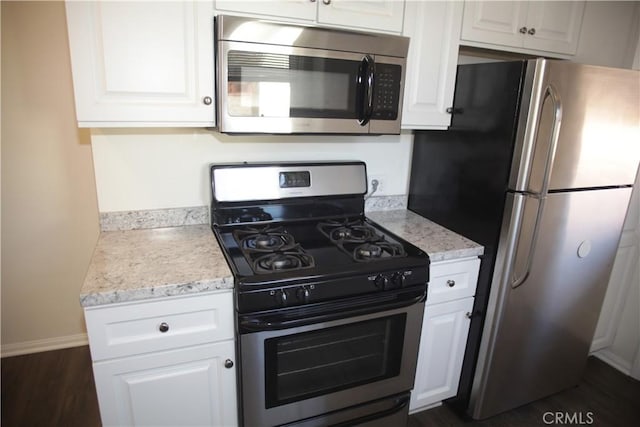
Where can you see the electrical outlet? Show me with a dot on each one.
(381, 180)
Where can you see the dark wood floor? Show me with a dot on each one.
(53, 388)
(56, 388)
(612, 399)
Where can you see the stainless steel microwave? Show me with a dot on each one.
(284, 78)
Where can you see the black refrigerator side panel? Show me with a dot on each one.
(459, 177)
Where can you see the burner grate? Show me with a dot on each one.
(271, 248)
(360, 240)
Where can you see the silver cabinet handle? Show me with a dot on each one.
(523, 30)
(164, 327)
(451, 283)
(468, 314)
(228, 363)
(207, 100)
(327, 2)
(532, 31)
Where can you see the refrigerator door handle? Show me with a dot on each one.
(552, 93)
(519, 279)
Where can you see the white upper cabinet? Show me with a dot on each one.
(142, 63)
(375, 15)
(554, 26)
(294, 9)
(434, 29)
(547, 27)
(494, 22)
(383, 15)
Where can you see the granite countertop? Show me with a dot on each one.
(440, 243)
(141, 264)
(158, 262)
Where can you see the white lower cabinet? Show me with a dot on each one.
(445, 328)
(444, 335)
(186, 387)
(166, 361)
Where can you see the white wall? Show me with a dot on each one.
(167, 168)
(49, 207)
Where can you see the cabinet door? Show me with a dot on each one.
(434, 29)
(142, 63)
(444, 335)
(187, 387)
(495, 22)
(384, 15)
(296, 9)
(554, 26)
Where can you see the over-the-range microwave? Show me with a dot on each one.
(285, 78)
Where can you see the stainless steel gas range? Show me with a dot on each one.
(329, 304)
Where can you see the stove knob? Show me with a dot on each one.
(381, 282)
(281, 296)
(303, 294)
(398, 280)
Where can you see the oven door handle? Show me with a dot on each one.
(272, 322)
(401, 404)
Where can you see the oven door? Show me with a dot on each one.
(282, 89)
(324, 363)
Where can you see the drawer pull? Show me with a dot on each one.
(164, 327)
(228, 363)
(468, 315)
(451, 283)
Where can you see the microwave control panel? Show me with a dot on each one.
(386, 94)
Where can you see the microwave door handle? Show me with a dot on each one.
(366, 82)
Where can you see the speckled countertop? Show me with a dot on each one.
(151, 263)
(440, 243)
(140, 264)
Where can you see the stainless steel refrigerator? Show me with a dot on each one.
(538, 166)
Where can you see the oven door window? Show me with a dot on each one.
(309, 364)
(281, 85)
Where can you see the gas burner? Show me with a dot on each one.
(368, 250)
(282, 261)
(379, 249)
(244, 215)
(353, 234)
(264, 239)
(360, 240)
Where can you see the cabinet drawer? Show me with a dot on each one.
(451, 280)
(144, 327)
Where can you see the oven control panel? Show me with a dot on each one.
(309, 292)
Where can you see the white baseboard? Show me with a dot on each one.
(46, 344)
(613, 360)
